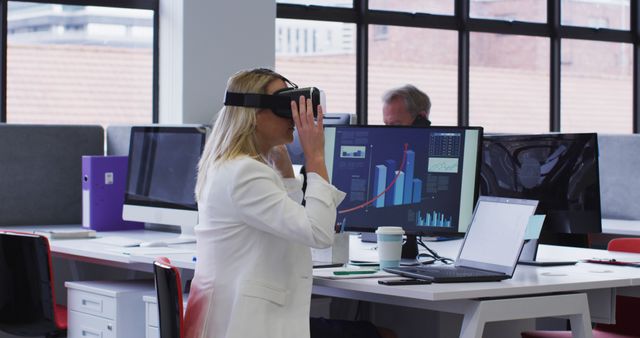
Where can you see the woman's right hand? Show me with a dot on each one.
(311, 135)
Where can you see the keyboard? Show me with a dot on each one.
(448, 274)
(451, 272)
(119, 241)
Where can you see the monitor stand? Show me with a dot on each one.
(409, 251)
(530, 251)
(187, 235)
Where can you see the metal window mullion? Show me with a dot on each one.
(553, 20)
(462, 16)
(362, 60)
(635, 32)
(155, 97)
(3, 63)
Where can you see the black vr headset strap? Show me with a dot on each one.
(256, 100)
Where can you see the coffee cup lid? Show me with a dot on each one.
(390, 231)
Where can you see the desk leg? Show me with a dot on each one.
(575, 306)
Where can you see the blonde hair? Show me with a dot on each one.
(233, 133)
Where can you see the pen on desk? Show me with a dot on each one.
(353, 272)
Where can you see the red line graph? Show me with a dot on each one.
(404, 159)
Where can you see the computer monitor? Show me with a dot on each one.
(330, 119)
(162, 177)
(559, 170)
(422, 179)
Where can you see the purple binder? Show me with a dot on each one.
(103, 183)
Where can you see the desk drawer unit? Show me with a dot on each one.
(105, 309)
(151, 314)
(88, 326)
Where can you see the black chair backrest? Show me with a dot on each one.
(26, 297)
(169, 293)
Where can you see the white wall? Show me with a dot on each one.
(202, 43)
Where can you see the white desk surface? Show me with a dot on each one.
(546, 283)
(526, 280)
(86, 250)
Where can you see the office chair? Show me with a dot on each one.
(626, 325)
(27, 299)
(169, 293)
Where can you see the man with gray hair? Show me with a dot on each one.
(406, 106)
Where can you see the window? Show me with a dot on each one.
(327, 62)
(613, 14)
(444, 7)
(339, 3)
(509, 83)
(512, 10)
(507, 65)
(597, 87)
(79, 64)
(425, 58)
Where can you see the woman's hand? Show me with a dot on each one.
(311, 135)
(279, 158)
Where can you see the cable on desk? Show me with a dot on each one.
(433, 255)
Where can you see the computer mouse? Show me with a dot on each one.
(153, 244)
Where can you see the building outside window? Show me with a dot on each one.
(79, 64)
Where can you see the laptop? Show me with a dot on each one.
(491, 245)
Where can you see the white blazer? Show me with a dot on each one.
(253, 272)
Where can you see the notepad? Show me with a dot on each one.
(67, 234)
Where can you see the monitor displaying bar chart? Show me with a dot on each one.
(423, 179)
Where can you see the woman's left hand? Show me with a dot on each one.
(279, 158)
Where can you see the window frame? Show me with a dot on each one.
(552, 29)
(153, 5)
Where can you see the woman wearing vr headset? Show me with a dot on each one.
(253, 275)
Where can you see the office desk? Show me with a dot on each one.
(532, 292)
(86, 250)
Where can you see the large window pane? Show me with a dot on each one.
(520, 10)
(445, 7)
(331, 3)
(320, 54)
(79, 64)
(596, 87)
(509, 83)
(613, 14)
(425, 58)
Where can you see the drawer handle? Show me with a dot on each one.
(92, 304)
(87, 333)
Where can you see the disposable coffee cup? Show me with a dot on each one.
(389, 246)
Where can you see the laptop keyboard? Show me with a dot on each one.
(452, 272)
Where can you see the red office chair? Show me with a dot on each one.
(27, 299)
(169, 292)
(626, 325)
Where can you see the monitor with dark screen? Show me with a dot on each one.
(559, 170)
(422, 179)
(162, 177)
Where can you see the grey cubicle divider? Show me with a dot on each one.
(118, 137)
(41, 172)
(619, 168)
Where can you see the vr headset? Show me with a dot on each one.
(279, 102)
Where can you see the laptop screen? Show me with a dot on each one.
(496, 234)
